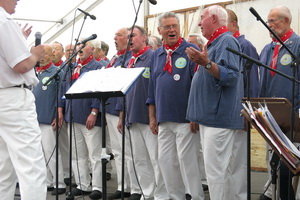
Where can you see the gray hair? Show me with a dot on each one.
(95, 43)
(151, 41)
(167, 15)
(62, 47)
(283, 12)
(220, 12)
(200, 39)
(104, 47)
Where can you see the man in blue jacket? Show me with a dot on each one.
(171, 75)
(215, 101)
(87, 139)
(45, 101)
(144, 143)
(274, 85)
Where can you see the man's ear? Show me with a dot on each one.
(158, 29)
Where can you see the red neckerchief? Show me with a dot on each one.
(284, 38)
(112, 62)
(105, 59)
(43, 68)
(170, 50)
(236, 34)
(98, 59)
(58, 63)
(76, 72)
(136, 55)
(216, 34)
(196, 68)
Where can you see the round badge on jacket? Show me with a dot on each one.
(286, 59)
(176, 77)
(180, 63)
(146, 73)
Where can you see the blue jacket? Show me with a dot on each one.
(217, 103)
(277, 85)
(170, 92)
(248, 49)
(137, 110)
(81, 108)
(45, 96)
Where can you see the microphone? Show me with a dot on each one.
(87, 14)
(38, 37)
(253, 11)
(154, 2)
(92, 37)
(38, 40)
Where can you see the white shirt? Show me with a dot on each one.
(13, 49)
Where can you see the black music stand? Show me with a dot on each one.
(103, 84)
(281, 111)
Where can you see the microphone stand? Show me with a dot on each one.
(55, 76)
(295, 64)
(247, 67)
(124, 101)
(257, 62)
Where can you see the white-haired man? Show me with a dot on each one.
(274, 85)
(215, 101)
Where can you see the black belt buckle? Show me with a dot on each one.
(23, 86)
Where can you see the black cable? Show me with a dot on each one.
(53, 150)
(134, 7)
(70, 158)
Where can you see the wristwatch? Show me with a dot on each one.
(208, 65)
(94, 113)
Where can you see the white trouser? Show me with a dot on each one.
(21, 154)
(145, 153)
(64, 147)
(239, 165)
(201, 163)
(219, 152)
(49, 148)
(116, 146)
(87, 148)
(178, 150)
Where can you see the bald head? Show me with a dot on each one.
(121, 39)
(48, 55)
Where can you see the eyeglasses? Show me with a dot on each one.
(168, 27)
(272, 21)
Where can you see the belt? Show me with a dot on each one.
(23, 86)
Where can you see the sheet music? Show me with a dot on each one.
(280, 134)
(106, 80)
(265, 122)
